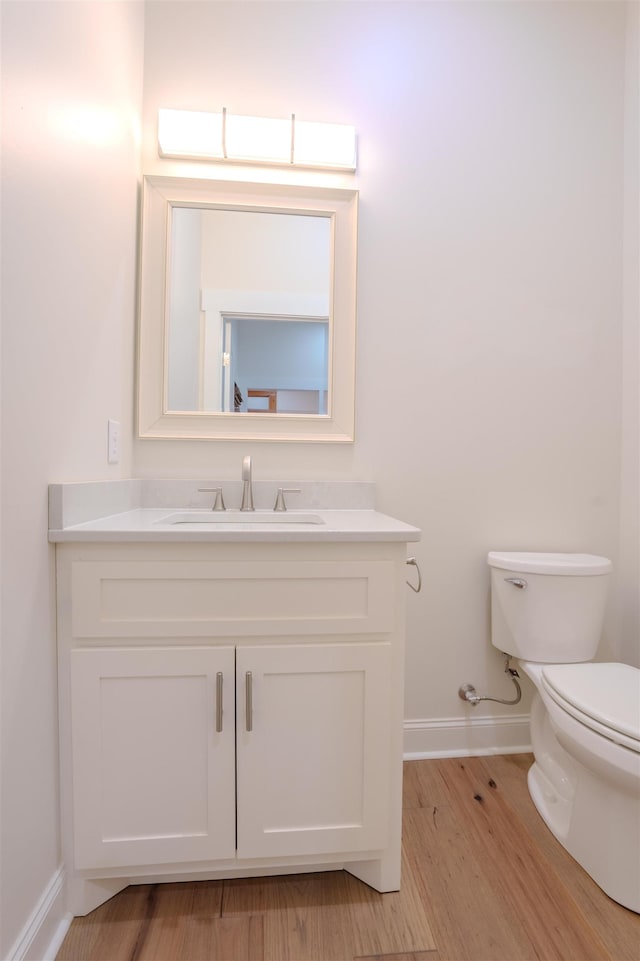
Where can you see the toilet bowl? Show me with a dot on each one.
(547, 610)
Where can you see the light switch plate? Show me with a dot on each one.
(113, 442)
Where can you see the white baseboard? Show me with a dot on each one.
(44, 932)
(465, 737)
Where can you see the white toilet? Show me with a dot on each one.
(547, 610)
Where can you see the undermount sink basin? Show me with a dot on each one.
(223, 518)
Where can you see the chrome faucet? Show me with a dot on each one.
(247, 489)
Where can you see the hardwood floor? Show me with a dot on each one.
(483, 880)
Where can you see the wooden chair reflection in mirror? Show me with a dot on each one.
(271, 396)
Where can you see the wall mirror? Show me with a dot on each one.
(247, 311)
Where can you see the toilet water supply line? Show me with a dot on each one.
(468, 692)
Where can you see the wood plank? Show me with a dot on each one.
(231, 939)
(113, 931)
(333, 916)
(393, 923)
(468, 920)
(618, 927)
(412, 956)
(207, 898)
(306, 916)
(534, 895)
(422, 786)
(173, 910)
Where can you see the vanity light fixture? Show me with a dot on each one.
(196, 135)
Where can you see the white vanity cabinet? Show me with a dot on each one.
(229, 710)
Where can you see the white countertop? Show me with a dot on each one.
(154, 524)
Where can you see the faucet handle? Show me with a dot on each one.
(218, 504)
(280, 504)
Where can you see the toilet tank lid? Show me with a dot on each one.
(530, 562)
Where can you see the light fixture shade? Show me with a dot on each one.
(190, 133)
(260, 139)
(222, 136)
(324, 145)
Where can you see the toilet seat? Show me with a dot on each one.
(603, 697)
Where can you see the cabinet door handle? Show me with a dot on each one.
(413, 562)
(219, 680)
(248, 700)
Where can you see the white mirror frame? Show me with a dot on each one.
(160, 194)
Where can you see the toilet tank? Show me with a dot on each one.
(548, 607)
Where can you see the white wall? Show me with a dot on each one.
(184, 310)
(489, 275)
(71, 84)
(490, 388)
(628, 645)
(490, 305)
(246, 250)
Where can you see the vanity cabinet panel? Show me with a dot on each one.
(313, 748)
(152, 776)
(219, 598)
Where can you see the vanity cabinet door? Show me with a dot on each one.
(313, 748)
(153, 752)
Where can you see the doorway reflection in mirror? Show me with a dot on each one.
(249, 311)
